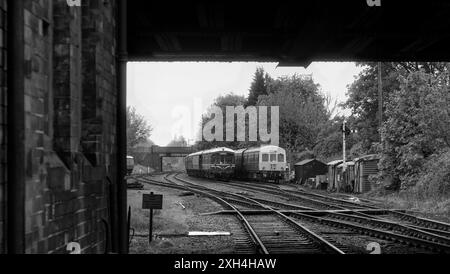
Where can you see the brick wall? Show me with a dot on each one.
(68, 184)
(99, 82)
(67, 79)
(38, 49)
(2, 123)
(99, 98)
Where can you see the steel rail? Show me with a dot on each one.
(313, 236)
(429, 227)
(260, 245)
(424, 238)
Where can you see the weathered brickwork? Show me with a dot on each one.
(3, 128)
(38, 130)
(70, 63)
(67, 79)
(99, 97)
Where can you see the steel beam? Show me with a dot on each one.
(15, 228)
(122, 129)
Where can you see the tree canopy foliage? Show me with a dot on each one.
(363, 95)
(138, 129)
(417, 126)
(222, 102)
(302, 111)
(258, 87)
(178, 141)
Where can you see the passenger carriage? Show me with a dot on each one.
(217, 163)
(266, 163)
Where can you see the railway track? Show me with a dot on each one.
(390, 216)
(265, 239)
(366, 224)
(288, 237)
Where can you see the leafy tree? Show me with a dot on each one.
(363, 101)
(329, 141)
(258, 87)
(417, 126)
(222, 102)
(178, 141)
(145, 143)
(138, 129)
(302, 111)
(363, 95)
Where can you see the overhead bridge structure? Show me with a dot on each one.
(153, 156)
(291, 33)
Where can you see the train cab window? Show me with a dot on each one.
(280, 157)
(273, 157)
(228, 159)
(265, 157)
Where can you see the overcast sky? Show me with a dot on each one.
(171, 96)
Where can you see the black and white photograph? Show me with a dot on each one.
(241, 130)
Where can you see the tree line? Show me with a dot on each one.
(307, 120)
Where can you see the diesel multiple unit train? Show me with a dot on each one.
(266, 163)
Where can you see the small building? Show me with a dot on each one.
(364, 167)
(345, 181)
(332, 170)
(307, 169)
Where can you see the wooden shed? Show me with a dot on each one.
(332, 174)
(345, 181)
(309, 169)
(364, 167)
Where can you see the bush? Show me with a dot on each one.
(434, 180)
(417, 127)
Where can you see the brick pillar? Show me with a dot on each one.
(37, 82)
(67, 80)
(99, 102)
(3, 124)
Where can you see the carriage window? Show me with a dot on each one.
(229, 159)
(273, 157)
(265, 157)
(280, 157)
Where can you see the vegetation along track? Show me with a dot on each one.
(357, 221)
(273, 233)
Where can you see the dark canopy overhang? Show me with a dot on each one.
(291, 33)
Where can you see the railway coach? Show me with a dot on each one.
(217, 163)
(266, 163)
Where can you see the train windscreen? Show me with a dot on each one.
(273, 157)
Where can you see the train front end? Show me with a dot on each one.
(222, 164)
(273, 165)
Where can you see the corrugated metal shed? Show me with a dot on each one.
(364, 167)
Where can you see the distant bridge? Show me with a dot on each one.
(153, 156)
